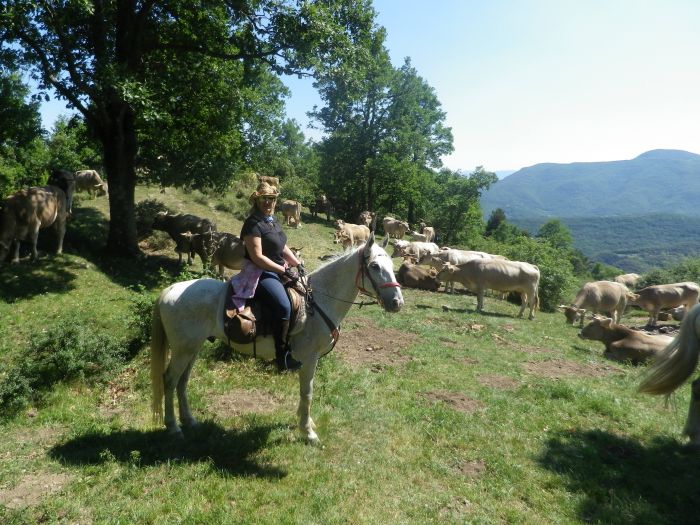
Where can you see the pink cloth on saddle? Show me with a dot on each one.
(244, 283)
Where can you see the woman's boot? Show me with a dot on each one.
(283, 354)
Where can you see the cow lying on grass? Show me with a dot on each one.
(622, 343)
(414, 276)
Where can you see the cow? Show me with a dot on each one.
(321, 205)
(415, 249)
(452, 256)
(350, 234)
(417, 237)
(429, 233)
(628, 279)
(598, 296)
(366, 218)
(65, 180)
(479, 275)
(179, 224)
(654, 298)
(395, 228)
(622, 343)
(90, 181)
(25, 212)
(291, 211)
(414, 276)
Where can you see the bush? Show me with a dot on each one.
(60, 353)
(139, 320)
(146, 211)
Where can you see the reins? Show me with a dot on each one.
(312, 306)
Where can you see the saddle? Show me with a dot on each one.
(243, 326)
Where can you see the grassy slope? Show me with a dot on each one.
(563, 450)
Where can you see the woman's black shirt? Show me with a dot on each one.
(272, 238)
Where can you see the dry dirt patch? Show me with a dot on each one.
(472, 469)
(32, 489)
(560, 368)
(456, 400)
(241, 401)
(498, 381)
(367, 344)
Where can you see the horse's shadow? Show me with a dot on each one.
(231, 452)
(622, 481)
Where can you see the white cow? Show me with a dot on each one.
(90, 181)
(291, 211)
(415, 249)
(394, 227)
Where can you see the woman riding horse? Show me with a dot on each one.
(267, 258)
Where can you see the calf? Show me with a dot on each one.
(479, 275)
(90, 181)
(622, 343)
(414, 276)
(291, 211)
(654, 298)
(26, 212)
(179, 224)
(598, 296)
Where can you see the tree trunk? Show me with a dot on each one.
(119, 145)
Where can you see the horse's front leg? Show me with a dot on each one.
(306, 389)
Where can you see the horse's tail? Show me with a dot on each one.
(677, 361)
(159, 344)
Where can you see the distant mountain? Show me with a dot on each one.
(502, 174)
(658, 181)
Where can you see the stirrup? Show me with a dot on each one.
(289, 364)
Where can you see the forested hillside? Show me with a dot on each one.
(634, 244)
(658, 181)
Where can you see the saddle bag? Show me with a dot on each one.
(239, 325)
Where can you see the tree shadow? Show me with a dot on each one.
(30, 278)
(230, 452)
(622, 481)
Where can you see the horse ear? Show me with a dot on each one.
(368, 245)
(385, 242)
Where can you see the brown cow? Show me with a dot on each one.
(321, 205)
(26, 212)
(179, 224)
(654, 298)
(90, 181)
(598, 296)
(350, 234)
(291, 211)
(394, 228)
(622, 343)
(414, 276)
(366, 218)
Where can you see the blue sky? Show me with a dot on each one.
(530, 81)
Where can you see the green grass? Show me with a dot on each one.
(578, 449)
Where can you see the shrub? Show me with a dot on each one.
(145, 211)
(60, 353)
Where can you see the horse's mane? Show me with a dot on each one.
(335, 258)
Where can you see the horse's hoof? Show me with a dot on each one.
(175, 432)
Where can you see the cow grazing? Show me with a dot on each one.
(628, 279)
(414, 276)
(321, 205)
(622, 343)
(179, 224)
(479, 275)
(395, 228)
(654, 298)
(366, 218)
(415, 249)
(598, 296)
(65, 180)
(26, 212)
(291, 211)
(90, 181)
(350, 234)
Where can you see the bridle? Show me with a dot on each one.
(363, 272)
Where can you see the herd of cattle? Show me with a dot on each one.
(424, 265)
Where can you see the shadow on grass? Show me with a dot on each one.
(231, 452)
(27, 279)
(622, 481)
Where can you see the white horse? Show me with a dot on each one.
(673, 367)
(186, 313)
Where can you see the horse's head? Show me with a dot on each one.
(377, 271)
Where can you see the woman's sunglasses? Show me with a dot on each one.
(267, 199)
